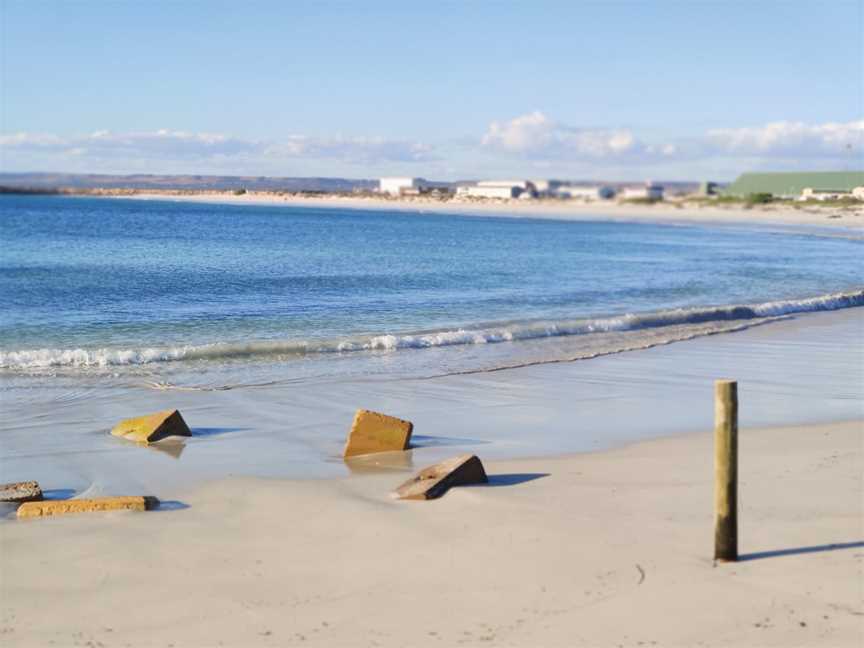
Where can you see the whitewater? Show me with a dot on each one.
(717, 319)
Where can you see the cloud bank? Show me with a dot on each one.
(179, 145)
(535, 136)
(525, 142)
(789, 139)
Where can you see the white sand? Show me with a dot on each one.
(610, 549)
(668, 211)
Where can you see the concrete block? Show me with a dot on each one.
(47, 508)
(28, 491)
(374, 432)
(153, 427)
(435, 480)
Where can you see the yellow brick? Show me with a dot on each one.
(152, 427)
(374, 432)
(62, 507)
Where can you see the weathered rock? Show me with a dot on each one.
(153, 427)
(374, 432)
(435, 480)
(62, 507)
(28, 491)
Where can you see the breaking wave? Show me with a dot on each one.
(35, 359)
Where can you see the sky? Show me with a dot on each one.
(445, 90)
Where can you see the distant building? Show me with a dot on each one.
(809, 193)
(547, 187)
(486, 191)
(792, 185)
(600, 192)
(412, 186)
(648, 191)
(707, 188)
(504, 189)
(395, 186)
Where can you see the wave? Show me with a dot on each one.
(34, 359)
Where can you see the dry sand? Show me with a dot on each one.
(670, 211)
(605, 549)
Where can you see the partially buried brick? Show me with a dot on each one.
(435, 480)
(152, 427)
(17, 492)
(48, 508)
(373, 432)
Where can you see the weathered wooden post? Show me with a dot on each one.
(726, 470)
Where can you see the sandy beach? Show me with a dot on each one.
(605, 549)
(670, 211)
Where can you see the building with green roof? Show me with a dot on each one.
(790, 185)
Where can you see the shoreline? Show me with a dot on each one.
(557, 552)
(798, 370)
(671, 211)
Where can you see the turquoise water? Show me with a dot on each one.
(107, 285)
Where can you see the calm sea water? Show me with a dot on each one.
(96, 286)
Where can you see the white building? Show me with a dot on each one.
(649, 191)
(809, 193)
(395, 186)
(504, 189)
(547, 187)
(600, 192)
(524, 185)
(487, 191)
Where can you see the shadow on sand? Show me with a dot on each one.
(426, 441)
(512, 479)
(171, 505)
(759, 555)
(58, 493)
(216, 431)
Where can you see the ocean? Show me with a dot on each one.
(268, 326)
(178, 292)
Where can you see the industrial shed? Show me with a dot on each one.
(790, 185)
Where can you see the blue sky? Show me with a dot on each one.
(627, 90)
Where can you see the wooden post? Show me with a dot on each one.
(726, 470)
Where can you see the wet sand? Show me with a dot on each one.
(803, 369)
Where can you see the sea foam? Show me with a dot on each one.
(38, 359)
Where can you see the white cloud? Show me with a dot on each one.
(179, 145)
(353, 149)
(537, 136)
(532, 141)
(156, 144)
(789, 139)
